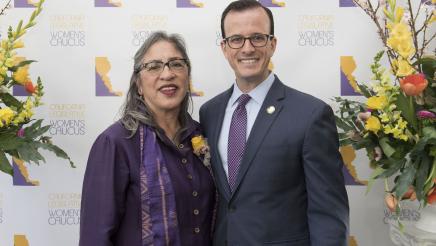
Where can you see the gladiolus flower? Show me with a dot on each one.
(405, 48)
(413, 84)
(424, 114)
(399, 14)
(403, 68)
(21, 75)
(400, 31)
(373, 124)
(18, 44)
(29, 87)
(377, 102)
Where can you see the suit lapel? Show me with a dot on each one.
(221, 176)
(261, 127)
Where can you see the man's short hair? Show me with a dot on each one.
(241, 5)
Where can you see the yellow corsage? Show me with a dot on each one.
(201, 149)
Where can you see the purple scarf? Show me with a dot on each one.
(159, 218)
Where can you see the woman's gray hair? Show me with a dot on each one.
(135, 110)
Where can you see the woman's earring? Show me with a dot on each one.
(140, 91)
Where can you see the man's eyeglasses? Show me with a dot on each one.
(257, 40)
(156, 67)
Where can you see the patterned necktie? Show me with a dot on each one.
(237, 139)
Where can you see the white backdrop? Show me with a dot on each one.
(84, 51)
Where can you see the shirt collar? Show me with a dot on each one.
(258, 94)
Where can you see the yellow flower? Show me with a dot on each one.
(3, 71)
(4, 44)
(198, 142)
(373, 124)
(6, 115)
(402, 124)
(21, 75)
(400, 31)
(384, 117)
(433, 17)
(377, 102)
(403, 68)
(18, 44)
(9, 62)
(399, 14)
(405, 48)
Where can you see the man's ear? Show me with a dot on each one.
(273, 43)
(223, 45)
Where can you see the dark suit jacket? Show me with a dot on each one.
(290, 189)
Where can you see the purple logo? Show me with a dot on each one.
(346, 3)
(19, 90)
(194, 92)
(272, 3)
(21, 174)
(103, 84)
(348, 81)
(189, 4)
(107, 3)
(24, 4)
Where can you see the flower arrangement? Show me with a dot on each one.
(21, 136)
(396, 124)
(201, 149)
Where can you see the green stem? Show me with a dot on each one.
(432, 172)
(387, 186)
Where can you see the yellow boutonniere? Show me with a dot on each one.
(201, 149)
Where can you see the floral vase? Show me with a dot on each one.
(427, 222)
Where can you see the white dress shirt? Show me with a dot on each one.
(253, 106)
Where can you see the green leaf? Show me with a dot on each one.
(428, 65)
(394, 166)
(372, 178)
(29, 153)
(5, 166)
(345, 142)
(10, 100)
(21, 64)
(421, 176)
(405, 180)
(10, 141)
(407, 108)
(58, 152)
(387, 149)
(342, 124)
(363, 143)
(364, 90)
(35, 130)
(429, 132)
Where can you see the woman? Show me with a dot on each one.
(143, 184)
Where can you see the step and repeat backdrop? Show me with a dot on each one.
(85, 49)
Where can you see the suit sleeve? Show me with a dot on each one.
(103, 194)
(328, 211)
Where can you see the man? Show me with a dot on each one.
(274, 149)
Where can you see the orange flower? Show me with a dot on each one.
(413, 84)
(432, 197)
(29, 87)
(391, 202)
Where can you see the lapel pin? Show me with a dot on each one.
(270, 109)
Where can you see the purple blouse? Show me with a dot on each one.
(111, 206)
